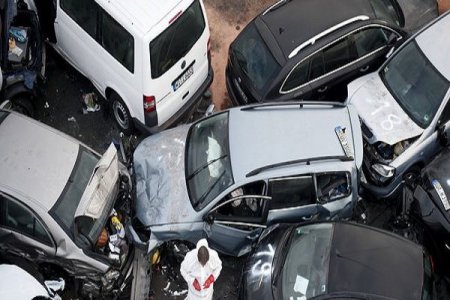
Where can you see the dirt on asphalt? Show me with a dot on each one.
(226, 19)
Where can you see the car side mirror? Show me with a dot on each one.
(209, 219)
(442, 135)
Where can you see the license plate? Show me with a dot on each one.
(183, 78)
(343, 140)
(441, 193)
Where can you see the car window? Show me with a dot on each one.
(21, 219)
(370, 39)
(317, 66)
(117, 41)
(337, 55)
(250, 208)
(297, 77)
(83, 12)
(332, 186)
(291, 192)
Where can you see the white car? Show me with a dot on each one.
(150, 59)
(16, 283)
(404, 108)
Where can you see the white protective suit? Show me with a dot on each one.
(191, 269)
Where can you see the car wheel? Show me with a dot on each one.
(22, 105)
(122, 115)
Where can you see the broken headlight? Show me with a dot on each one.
(385, 151)
(386, 172)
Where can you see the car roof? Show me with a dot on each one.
(35, 160)
(366, 260)
(435, 44)
(268, 135)
(299, 20)
(143, 15)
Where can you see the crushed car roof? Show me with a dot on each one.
(297, 21)
(270, 135)
(35, 160)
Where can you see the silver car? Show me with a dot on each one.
(404, 108)
(229, 176)
(63, 208)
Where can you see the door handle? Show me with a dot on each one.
(307, 218)
(321, 90)
(364, 69)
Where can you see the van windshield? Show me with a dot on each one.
(173, 43)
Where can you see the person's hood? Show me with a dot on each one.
(161, 192)
(380, 112)
(101, 186)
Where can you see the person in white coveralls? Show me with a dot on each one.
(200, 268)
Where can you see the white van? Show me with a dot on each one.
(149, 58)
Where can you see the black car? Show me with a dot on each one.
(22, 59)
(426, 199)
(336, 261)
(311, 49)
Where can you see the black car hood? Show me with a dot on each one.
(371, 261)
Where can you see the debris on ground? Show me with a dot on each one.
(89, 103)
(72, 119)
(46, 105)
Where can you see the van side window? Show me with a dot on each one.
(117, 41)
(337, 55)
(84, 13)
(370, 39)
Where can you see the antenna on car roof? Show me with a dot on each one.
(276, 6)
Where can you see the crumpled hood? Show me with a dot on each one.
(161, 193)
(380, 112)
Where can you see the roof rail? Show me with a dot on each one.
(288, 103)
(312, 40)
(275, 6)
(298, 161)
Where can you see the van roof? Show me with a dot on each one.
(143, 15)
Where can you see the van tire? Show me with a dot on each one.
(121, 114)
(23, 105)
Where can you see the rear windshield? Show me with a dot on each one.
(384, 9)
(254, 58)
(173, 43)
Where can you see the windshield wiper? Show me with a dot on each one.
(200, 200)
(205, 166)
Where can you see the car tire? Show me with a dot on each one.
(121, 115)
(23, 105)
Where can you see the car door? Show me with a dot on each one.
(236, 222)
(22, 231)
(293, 199)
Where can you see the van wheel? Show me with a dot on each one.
(23, 105)
(122, 115)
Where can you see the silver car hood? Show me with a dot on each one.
(161, 192)
(380, 112)
(100, 186)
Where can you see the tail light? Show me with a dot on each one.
(149, 104)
